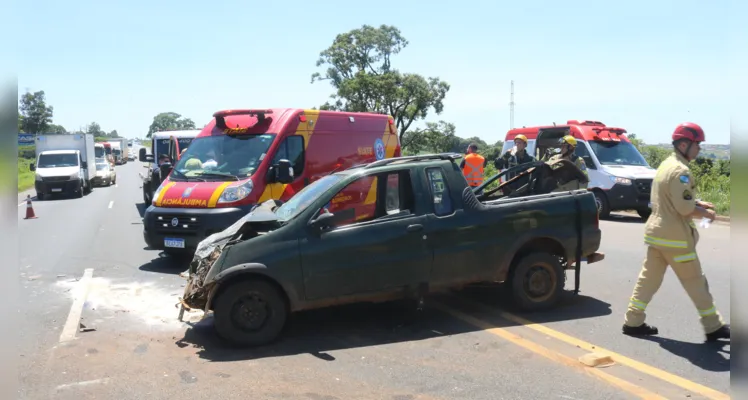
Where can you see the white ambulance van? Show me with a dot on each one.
(619, 175)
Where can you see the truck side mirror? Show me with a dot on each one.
(32, 167)
(284, 172)
(142, 155)
(84, 165)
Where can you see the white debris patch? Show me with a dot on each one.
(155, 306)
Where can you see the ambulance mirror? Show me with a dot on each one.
(284, 172)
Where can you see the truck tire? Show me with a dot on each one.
(644, 214)
(79, 192)
(146, 197)
(537, 281)
(250, 313)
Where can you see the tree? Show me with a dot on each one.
(359, 67)
(94, 129)
(113, 134)
(59, 129)
(35, 115)
(169, 121)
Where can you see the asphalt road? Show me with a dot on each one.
(465, 346)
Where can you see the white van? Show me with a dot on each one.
(619, 175)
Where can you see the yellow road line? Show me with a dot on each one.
(553, 355)
(620, 359)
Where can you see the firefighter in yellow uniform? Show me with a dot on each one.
(473, 166)
(568, 145)
(671, 238)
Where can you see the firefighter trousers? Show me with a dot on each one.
(687, 268)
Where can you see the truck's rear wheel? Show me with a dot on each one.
(537, 281)
(250, 313)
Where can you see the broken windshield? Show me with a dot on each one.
(223, 158)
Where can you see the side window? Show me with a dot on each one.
(582, 151)
(357, 202)
(439, 192)
(372, 197)
(292, 149)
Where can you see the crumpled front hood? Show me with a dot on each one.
(209, 251)
(630, 171)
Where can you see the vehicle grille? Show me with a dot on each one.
(184, 224)
(643, 187)
(55, 178)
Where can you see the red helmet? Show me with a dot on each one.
(690, 131)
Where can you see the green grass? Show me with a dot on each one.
(25, 177)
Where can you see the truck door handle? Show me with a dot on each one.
(414, 228)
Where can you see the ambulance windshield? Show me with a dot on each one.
(617, 153)
(222, 158)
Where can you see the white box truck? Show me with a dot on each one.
(65, 164)
(121, 145)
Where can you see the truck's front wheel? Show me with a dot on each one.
(537, 281)
(250, 313)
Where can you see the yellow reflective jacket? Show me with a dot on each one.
(673, 199)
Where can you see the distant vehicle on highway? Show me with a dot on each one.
(105, 174)
(392, 229)
(245, 157)
(161, 142)
(65, 164)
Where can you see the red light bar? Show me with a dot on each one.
(220, 116)
(302, 118)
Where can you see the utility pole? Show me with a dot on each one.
(511, 107)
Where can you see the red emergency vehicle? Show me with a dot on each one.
(237, 161)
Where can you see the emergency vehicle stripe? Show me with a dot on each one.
(708, 312)
(676, 244)
(163, 193)
(217, 194)
(638, 304)
(685, 257)
(307, 129)
(371, 197)
(390, 140)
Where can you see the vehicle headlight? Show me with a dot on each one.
(38, 178)
(157, 193)
(620, 181)
(237, 192)
(74, 176)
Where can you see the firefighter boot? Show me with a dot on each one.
(722, 333)
(641, 330)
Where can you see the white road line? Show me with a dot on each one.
(82, 383)
(71, 325)
(111, 204)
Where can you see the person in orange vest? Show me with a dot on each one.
(473, 165)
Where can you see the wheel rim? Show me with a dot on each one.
(599, 204)
(540, 282)
(251, 312)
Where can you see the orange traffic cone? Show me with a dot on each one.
(29, 208)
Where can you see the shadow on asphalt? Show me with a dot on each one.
(167, 265)
(707, 356)
(629, 218)
(318, 332)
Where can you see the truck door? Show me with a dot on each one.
(376, 242)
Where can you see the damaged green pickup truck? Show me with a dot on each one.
(416, 229)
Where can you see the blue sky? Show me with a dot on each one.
(641, 65)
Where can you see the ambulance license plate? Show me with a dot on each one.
(57, 189)
(174, 243)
